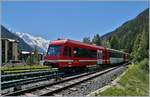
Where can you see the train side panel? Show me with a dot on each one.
(77, 54)
(115, 56)
(114, 60)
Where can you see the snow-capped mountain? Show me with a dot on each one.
(39, 42)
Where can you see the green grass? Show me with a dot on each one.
(22, 67)
(26, 68)
(134, 83)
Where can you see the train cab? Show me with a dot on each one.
(54, 54)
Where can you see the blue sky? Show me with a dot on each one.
(73, 20)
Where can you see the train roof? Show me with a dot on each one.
(63, 41)
(116, 50)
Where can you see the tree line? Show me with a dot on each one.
(132, 37)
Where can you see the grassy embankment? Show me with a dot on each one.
(135, 82)
(22, 68)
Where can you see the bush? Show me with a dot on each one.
(144, 64)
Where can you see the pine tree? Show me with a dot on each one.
(114, 43)
(140, 49)
(35, 56)
(29, 59)
(97, 40)
(135, 53)
(87, 40)
(106, 43)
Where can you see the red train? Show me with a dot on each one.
(66, 53)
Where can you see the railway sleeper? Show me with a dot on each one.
(17, 88)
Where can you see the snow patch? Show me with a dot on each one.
(33, 41)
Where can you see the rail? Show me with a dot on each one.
(13, 83)
(22, 75)
(68, 79)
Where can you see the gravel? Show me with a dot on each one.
(27, 86)
(93, 84)
(80, 89)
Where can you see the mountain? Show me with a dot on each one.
(23, 46)
(40, 43)
(127, 34)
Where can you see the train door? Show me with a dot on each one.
(68, 55)
(125, 57)
(68, 52)
(99, 57)
(76, 56)
(107, 59)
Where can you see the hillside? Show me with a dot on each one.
(22, 44)
(131, 37)
(127, 33)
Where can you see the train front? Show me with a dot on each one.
(53, 55)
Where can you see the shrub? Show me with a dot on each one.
(144, 64)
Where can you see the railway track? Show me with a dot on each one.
(52, 88)
(19, 82)
(8, 77)
(28, 79)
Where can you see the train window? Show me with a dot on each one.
(115, 54)
(76, 52)
(100, 54)
(70, 52)
(93, 54)
(65, 53)
(84, 53)
(54, 50)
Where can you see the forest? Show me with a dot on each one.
(131, 37)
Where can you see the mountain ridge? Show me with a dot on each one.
(40, 43)
(140, 15)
